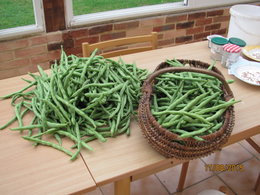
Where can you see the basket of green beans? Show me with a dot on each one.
(186, 109)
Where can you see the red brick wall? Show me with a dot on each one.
(22, 55)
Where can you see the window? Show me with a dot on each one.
(78, 15)
(81, 7)
(20, 17)
(87, 12)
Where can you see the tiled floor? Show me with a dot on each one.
(240, 182)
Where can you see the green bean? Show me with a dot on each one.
(14, 119)
(42, 142)
(182, 78)
(189, 134)
(220, 106)
(58, 138)
(91, 85)
(55, 109)
(20, 91)
(49, 131)
(86, 66)
(80, 112)
(116, 88)
(183, 113)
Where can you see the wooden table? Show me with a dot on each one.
(25, 169)
(121, 160)
(126, 159)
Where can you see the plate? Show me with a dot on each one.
(252, 52)
(246, 71)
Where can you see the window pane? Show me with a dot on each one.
(14, 13)
(92, 6)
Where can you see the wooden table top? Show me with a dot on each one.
(25, 169)
(44, 170)
(127, 156)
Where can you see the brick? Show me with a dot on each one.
(79, 33)
(183, 39)
(14, 64)
(201, 35)
(160, 36)
(215, 13)
(75, 50)
(144, 30)
(100, 29)
(54, 46)
(194, 16)
(92, 39)
(166, 42)
(57, 46)
(45, 65)
(68, 43)
(12, 45)
(30, 51)
(6, 56)
(4, 74)
(226, 12)
(126, 25)
(21, 70)
(164, 27)
(220, 31)
(212, 27)
(54, 55)
(66, 35)
(204, 21)
(38, 40)
(35, 60)
(178, 18)
(152, 21)
(221, 19)
(185, 25)
(194, 30)
(224, 24)
(173, 33)
(114, 35)
(54, 36)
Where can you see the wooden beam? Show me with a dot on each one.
(54, 15)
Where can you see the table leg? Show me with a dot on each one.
(122, 187)
(184, 170)
(253, 144)
(257, 185)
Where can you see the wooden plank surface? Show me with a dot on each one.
(129, 156)
(25, 169)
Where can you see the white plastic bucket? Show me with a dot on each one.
(245, 23)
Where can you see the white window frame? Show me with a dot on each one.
(138, 12)
(20, 31)
(117, 15)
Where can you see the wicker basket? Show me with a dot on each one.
(166, 142)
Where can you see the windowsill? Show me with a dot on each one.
(20, 31)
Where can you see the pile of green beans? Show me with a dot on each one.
(83, 99)
(189, 104)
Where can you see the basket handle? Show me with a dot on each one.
(148, 83)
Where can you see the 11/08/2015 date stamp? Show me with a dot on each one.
(224, 167)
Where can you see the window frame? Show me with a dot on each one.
(139, 12)
(20, 31)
